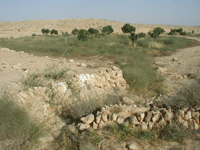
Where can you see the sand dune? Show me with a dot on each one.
(26, 28)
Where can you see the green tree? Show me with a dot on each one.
(141, 35)
(133, 37)
(75, 31)
(93, 31)
(43, 31)
(53, 31)
(156, 32)
(107, 29)
(127, 28)
(83, 35)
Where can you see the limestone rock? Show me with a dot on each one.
(134, 120)
(181, 113)
(95, 126)
(175, 59)
(120, 120)
(102, 124)
(70, 60)
(127, 101)
(155, 117)
(47, 138)
(83, 126)
(148, 116)
(88, 119)
(133, 146)
(144, 126)
(98, 119)
(114, 117)
(188, 115)
(104, 117)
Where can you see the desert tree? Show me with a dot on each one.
(127, 28)
(156, 32)
(107, 29)
(75, 31)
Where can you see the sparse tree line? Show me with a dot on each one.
(91, 33)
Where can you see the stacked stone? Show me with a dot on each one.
(141, 117)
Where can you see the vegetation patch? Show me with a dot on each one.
(17, 130)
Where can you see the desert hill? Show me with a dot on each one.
(26, 28)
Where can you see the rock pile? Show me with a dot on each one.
(145, 118)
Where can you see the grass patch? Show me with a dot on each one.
(50, 72)
(134, 61)
(16, 128)
(188, 96)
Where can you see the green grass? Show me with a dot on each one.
(135, 62)
(15, 125)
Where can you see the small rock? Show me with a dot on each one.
(78, 64)
(133, 146)
(134, 120)
(155, 117)
(95, 126)
(83, 65)
(144, 126)
(88, 119)
(175, 59)
(47, 138)
(105, 117)
(181, 113)
(115, 68)
(148, 116)
(70, 60)
(188, 115)
(98, 119)
(84, 126)
(120, 120)
(114, 117)
(127, 101)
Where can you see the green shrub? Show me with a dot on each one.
(127, 28)
(45, 31)
(65, 34)
(33, 34)
(179, 30)
(183, 33)
(107, 29)
(93, 31)
(53, 31)
(141, 35)
(133, 37)
(83, 35)
(192, 31)
(75, 31)
(156, 32)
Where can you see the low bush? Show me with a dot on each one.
(83, 35)
(127, 28)
(45, 31)
(53, 31)
(75, 31)
(107, 29)
(156, 32)
(17, 130)
(188, 96)
(141, 35)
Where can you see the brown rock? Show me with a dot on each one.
(148, 116)
(98, 119)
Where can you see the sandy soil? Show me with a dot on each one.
(27, 28)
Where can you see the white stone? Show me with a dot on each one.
(88, 119)
(83, 65)
(84, 126)
(114, 117)
(115, 68)
(98, 119)
(133, 146)
(120, 120)
(71, 61)
(134, 120)
(128, 101)
(155, 117)
(105, 117)
(175, 59)
(181, 113)
(95, 126)
(188, 115)
(144, 126)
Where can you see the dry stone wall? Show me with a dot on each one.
(145, 118)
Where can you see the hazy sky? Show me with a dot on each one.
(170, 12)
